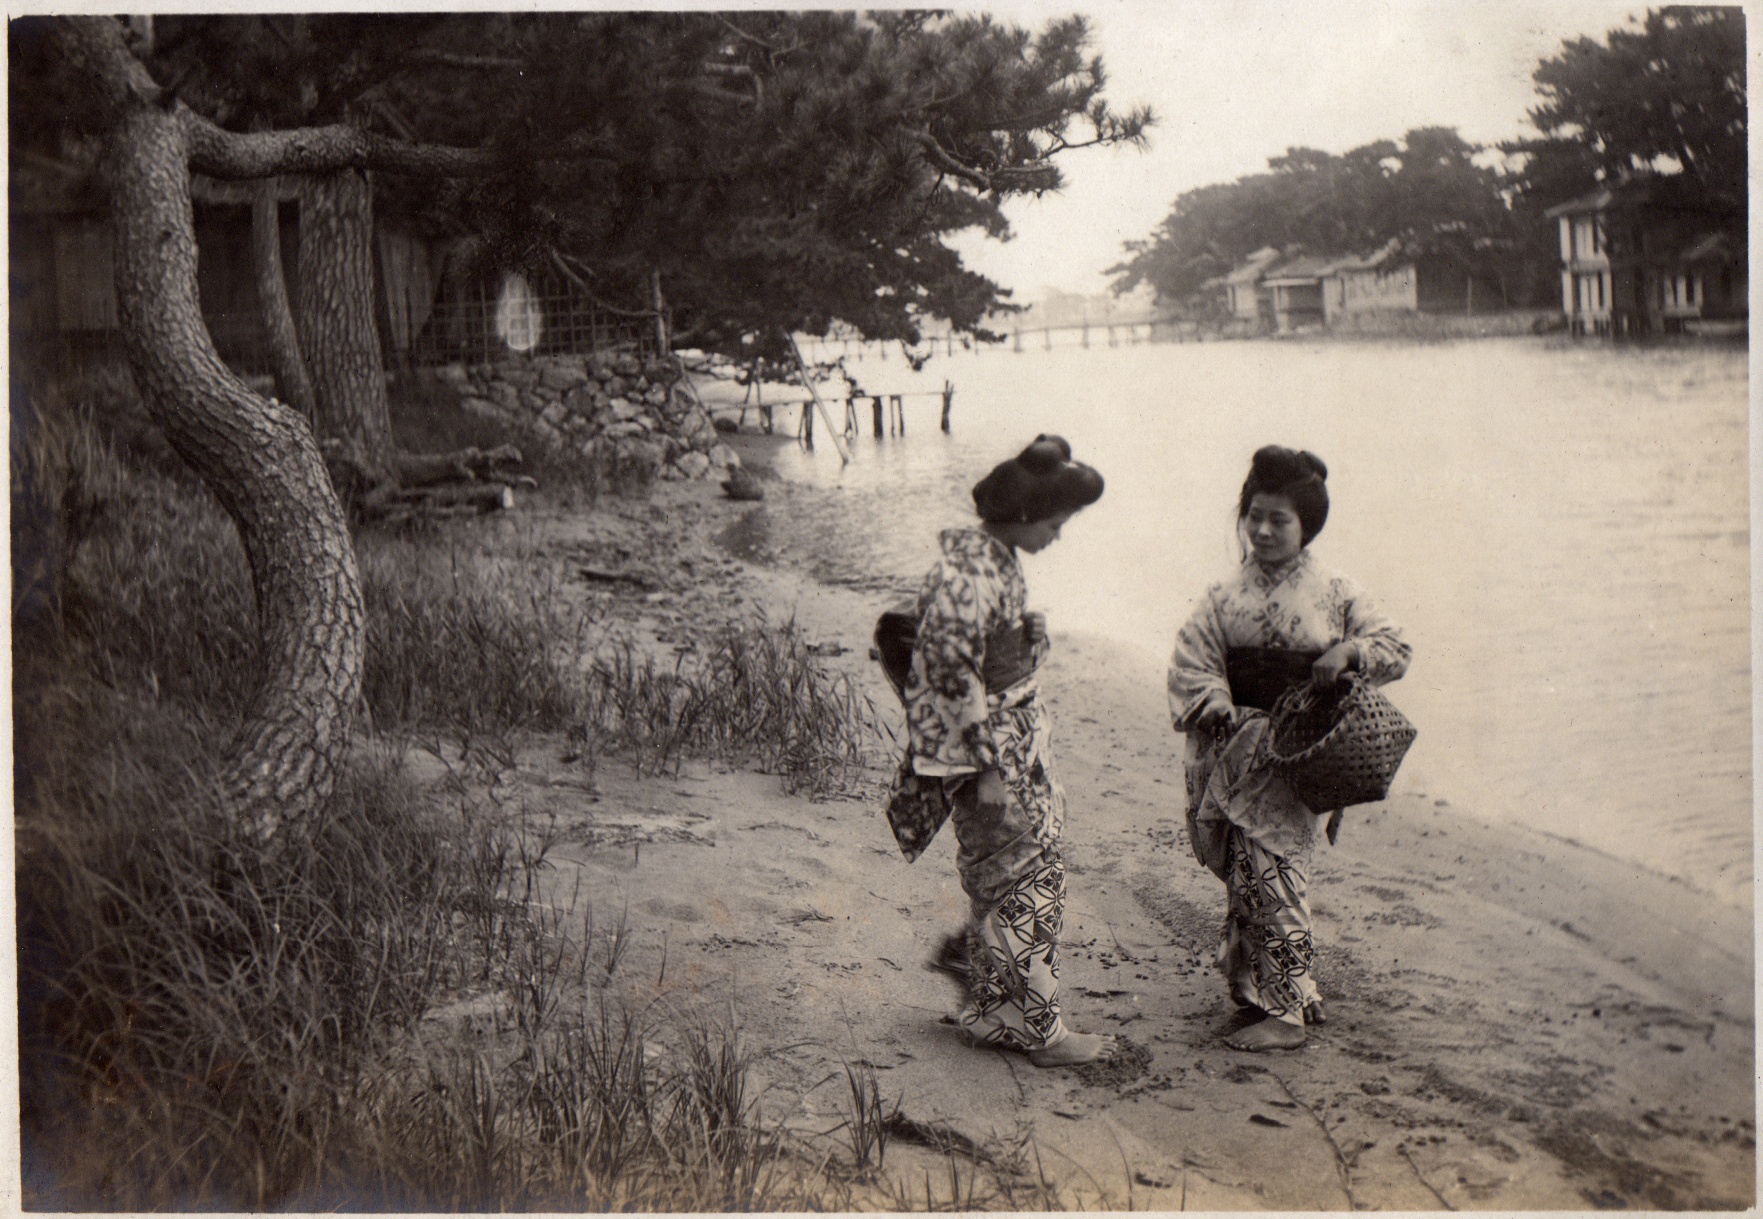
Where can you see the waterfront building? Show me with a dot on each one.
(1652, 256)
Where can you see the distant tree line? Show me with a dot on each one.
(1666, 97)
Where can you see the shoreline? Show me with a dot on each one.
(1516, 1021)
(748, 539)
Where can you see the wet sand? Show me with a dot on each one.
(1516, 1021)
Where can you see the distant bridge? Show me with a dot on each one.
(1110, 333)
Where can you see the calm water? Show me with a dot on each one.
(1562, 531)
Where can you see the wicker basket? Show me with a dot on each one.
(1338, 749)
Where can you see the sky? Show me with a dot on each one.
(1234, 82)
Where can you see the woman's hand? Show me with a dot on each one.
(1331, 664)
(1216, 713)
(989, 788)
(1034, 627)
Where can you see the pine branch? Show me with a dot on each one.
(230, 154)
(939, 156)
(430, 57)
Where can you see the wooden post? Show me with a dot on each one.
(948, 401)
(806, 429)
(765, 419)
(814, 394)
(899, 407)
(875, 407)
(660, 307)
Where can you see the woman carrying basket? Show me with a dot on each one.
(979, 753)
(1280, 620)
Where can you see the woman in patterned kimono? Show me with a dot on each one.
(1281, 619)
(979, 753)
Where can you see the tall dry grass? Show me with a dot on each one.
(208, 1025)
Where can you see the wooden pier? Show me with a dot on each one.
(1030, 338)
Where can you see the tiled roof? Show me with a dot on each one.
(1251, 270)
(1367, 262)
(1712, 248)
(1302, 268)
(1679, 191)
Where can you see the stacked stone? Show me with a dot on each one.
(626, 411)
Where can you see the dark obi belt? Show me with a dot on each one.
(1258, 676)
(1009, 656)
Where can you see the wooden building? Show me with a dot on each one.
(1293, 290)
(1649, 256)
(1242, 294)
(63, 277)
(1318, 290)
(434, 301)
(1380, 282)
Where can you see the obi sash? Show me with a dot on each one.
(1258, 676)
(1009, 656)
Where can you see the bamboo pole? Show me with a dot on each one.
(808, 384)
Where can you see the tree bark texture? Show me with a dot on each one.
(272, 292)
(338, 336)
(256, 455)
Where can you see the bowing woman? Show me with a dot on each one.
(979, 753)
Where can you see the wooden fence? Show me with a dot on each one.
(468, 322)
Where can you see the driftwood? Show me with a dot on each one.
(466, 481)
(464, 465)
(638, 579)
(394, 506)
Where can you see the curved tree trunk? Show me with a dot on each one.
(338, 337)
(256, 455)
(272, 293)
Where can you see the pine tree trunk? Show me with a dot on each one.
(272, 292)
(260, 460)
(338, 337)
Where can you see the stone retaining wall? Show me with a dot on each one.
(616, 408)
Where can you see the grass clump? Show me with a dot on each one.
(756, 694)
(463, 639)
(203, 1016)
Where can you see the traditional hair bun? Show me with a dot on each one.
(1296, 473)
(1045, 455)
(1275, 466)
(1040, 482)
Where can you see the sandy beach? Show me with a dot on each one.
(1516, 1021)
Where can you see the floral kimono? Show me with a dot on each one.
(1243, 819)
(973, 705)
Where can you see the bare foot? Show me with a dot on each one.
(1268, 1034)
(1074, 1049)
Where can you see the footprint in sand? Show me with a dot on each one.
(678, 912)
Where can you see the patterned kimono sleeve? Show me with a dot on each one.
(1197, 668)
(946, 709)
(1383, 653)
